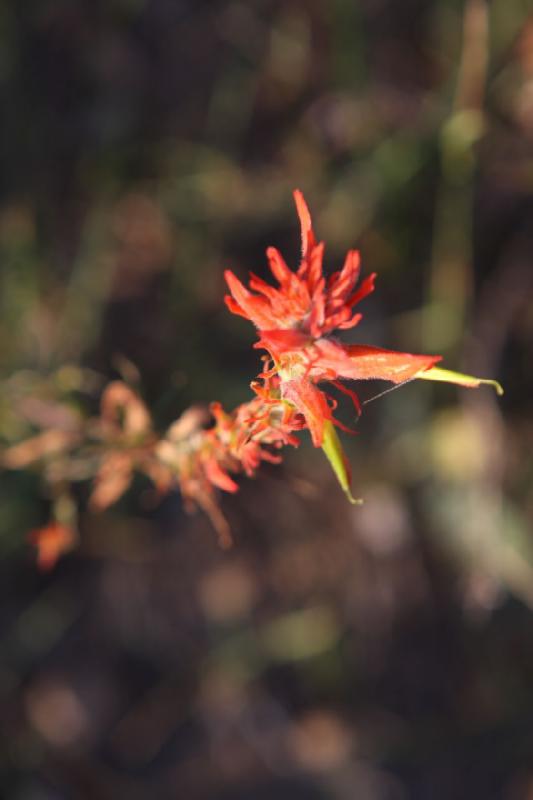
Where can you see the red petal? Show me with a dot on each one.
(257, 309)
(51, 542)
(314, 273)
(373, 362)
(222, 419)
(366, 287)
(341, 283)
(278, 267)
(351, 394)
(362, 362)
(308, 236)
(237, 289)
(283, 340)
(218, 477)
(234, 307)
(310, 402)
(259, 285)
(318, 310)
(344, 320)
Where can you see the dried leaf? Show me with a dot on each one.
(111, 481)
(48, 443)
(117, 398)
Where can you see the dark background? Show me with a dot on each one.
(377, 652)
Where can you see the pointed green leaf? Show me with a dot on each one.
(448, 376)
(335, 454)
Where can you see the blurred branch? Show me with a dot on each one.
(450, 281)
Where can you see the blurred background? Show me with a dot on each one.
(379, 652)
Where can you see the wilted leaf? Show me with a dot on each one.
(44, 444)
(111, 481)
(117, 398)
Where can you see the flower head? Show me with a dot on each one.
(204, 459)
(296, 321)
(306, 305)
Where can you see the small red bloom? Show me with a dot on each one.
(295, 322)
(51, 542)
(305, 306)
(204, 459)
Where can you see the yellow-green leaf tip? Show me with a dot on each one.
(333, 449)
(459, 378)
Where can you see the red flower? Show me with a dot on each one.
(51, 542)
(305, 306)
(202, 459)
(295, 322)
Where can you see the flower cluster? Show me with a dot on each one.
(296, 322)
(204, 459)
